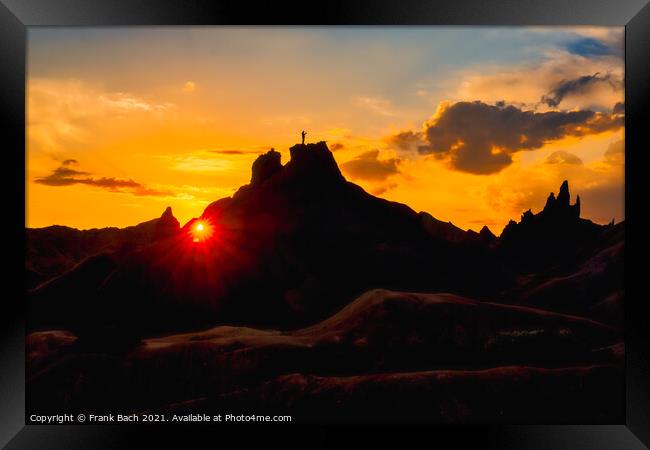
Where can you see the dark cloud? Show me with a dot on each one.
(64, 176)
(480, 138)
(406, 140)
(619, 108)
(70, 162)
(562, 157)
(577, 86)
(368, 166)
(589, 47)
(337, 146)
(62, 173)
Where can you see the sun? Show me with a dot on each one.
(201, 231)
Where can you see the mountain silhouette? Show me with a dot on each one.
(54, 250)
(303, 294)
(294, 246)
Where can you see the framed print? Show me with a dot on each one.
(226, 217)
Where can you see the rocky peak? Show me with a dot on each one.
(486, 233)
(309, 164)
(313, 162)
(265, 166)
(167, 214)
(167, 225)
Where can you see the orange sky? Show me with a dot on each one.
(124, 122)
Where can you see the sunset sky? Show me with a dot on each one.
(473, 125)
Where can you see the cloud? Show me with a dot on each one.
(579, 85)
(61, 176)
(64, 176)
(368, 166)
(376, 105)
(562, 157)
(336, 146)
(615, 153)
(406, 140)
(525, 83)
(69, 162)
(64, 114)
(479, 138)
(619, 108)
(124, 102)
(579, 38)
(189, 86)
(589, 47)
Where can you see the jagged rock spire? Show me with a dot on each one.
(550, 201)
(560, 206)
(563, 198)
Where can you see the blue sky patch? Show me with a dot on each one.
(588, 47)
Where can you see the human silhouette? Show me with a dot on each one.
(303, 136)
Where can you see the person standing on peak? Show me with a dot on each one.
(303, 136)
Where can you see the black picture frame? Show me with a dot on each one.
(17, 15)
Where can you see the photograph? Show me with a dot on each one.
(325, 224)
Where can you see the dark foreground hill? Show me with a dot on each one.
(386, 356)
